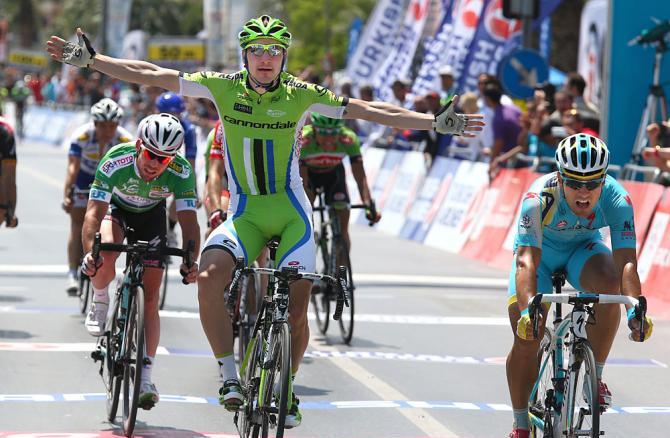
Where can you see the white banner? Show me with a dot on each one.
(399, 61)
(372, 161)
(411, 173)
(216, 20)
(376, 42)
(592, 35)
(452, 226)
(117, 21)
(135, 45)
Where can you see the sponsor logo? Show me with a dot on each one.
(294, 263)
(499, 27)
(244, 96)
(97, 194)
(276, 113)
(131, 187)
(292, 82)
(160, 192)
(231, 244)
(188, 193)
(242, 108)
(531, 195)
(323, 161)
(628, 230)
(99, 183)
(190, 203)
(275, 98)
(321, 90)
(176, 166)
(627, 226)
(470, 15)
(526, 221)
(562, 224)
(419, 9)
(213, 74)
(111, 165)
(259, 125)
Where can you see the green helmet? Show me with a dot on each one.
(322, 122)
(264, 27)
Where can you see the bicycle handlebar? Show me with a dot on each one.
(535, 305)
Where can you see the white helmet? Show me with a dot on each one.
(162, 133)
(582, 156)
(106, 110)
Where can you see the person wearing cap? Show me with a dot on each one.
(446, 73)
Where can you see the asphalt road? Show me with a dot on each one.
(427, 357)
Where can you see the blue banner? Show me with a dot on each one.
(545, 38)
(355, 31)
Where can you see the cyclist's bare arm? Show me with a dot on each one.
(387, 114)
(95, 213)
(138, 72)
(358, 170)
(190, 230)
(527, 261)
(625, 260)
(73, 164)
(214, 184)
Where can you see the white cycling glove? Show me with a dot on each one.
(79, 55)
(448, 122)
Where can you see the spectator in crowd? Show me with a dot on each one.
(34, 83)
(658, 152)
(19, 94)
(366, 93)
(575, 85)
(400, 88)
(447, 81)
(563, 102)
(574, 124)
(465, 148)
(486, 133)
(364, 127)
(505, 122)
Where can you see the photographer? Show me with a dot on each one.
(658, 154)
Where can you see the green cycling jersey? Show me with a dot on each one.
(117, 180)
(327, 156)
(262, 131)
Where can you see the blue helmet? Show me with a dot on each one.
(170, 103)
(582, 156)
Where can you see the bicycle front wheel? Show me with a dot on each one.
(541, 411)
(347, 318)
(134, 359)
(112, 369)
(85, 292)
(250, 417)
(581, 411)
(321, 298)
(277, 381)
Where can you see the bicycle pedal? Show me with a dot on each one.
(97, 355)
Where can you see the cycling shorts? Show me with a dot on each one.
(82, 186)
(149, 226)
(571, 258)
(334, 185)
(254, 219)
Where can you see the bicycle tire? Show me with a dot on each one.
(280, 349)
(582, 401)
(346, 321)
(321, 299)
(250, 374)
(541, 402)
(164, 285)
(112, 373)
(134, 359)
(85, 292)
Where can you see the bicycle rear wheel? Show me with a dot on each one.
(277, 377)
(321, 298)
(347, 319)
(542, 398)
(581, 411)
(85, 292)
(164, 285)
(112, 370)
(133, 355)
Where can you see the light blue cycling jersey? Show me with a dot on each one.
(547, 220)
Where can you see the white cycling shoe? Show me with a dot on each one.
(95, 319)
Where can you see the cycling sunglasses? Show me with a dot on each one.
(259, 49)
(151, 156)
(576, 184)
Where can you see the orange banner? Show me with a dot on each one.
(654, 261)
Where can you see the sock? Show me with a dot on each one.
(599, 370)
(227, 367)
(147, 368)
(101, 295)
(172, 224)
(521, 419)
(73, 272)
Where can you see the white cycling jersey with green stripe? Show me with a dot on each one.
(262, 141)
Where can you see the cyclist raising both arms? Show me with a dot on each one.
(88, 144)
(325, 143)
(558, 228)
(7, 174)
(261, 109)
(131, 184)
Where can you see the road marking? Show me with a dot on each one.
(69, 347)
(359, 278)
(40, 175)
(12, 288)
(400, 404)
(138, 433)
(416, 415)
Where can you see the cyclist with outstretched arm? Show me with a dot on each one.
(261, 109)
(131, 185)
(558, 228)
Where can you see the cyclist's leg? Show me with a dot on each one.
(591, 269)
(74, 245)
(337, 195)
(522, 359)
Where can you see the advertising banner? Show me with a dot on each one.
(117, 21)
(176, 52)
(372, 162)
(376, 42)
(429, 199)
(592, 33)
(384, 180)
(454, 221)
(410, 176)
(654, 261)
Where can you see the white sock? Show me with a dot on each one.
(73, 272)
(147, 368)
(227, 367)
(101, 295)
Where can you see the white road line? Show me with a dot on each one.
(40, 175)
(421, 418)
